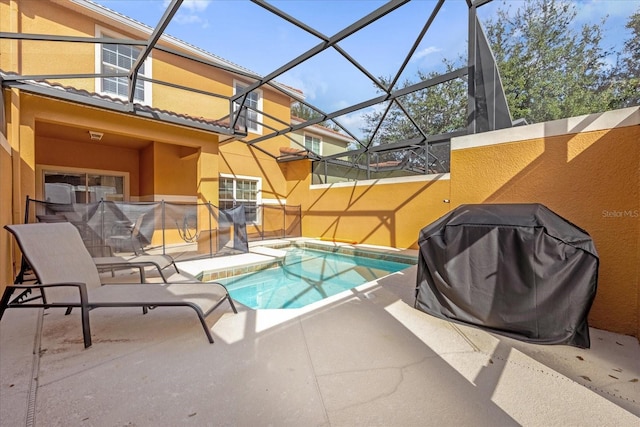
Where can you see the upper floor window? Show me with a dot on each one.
(313, 143)
(250, 115)
(119, 58)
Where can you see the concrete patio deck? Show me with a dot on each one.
(363, 357)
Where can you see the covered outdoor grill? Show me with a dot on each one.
(515, 269)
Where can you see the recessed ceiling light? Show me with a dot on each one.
(95, 136)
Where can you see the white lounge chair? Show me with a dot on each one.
(68, 277)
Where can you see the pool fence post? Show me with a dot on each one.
(210, 210)
(261, 228)
(162, 210)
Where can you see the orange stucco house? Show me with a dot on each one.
(169, 144)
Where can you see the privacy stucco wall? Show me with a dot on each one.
(385, 212)
(586, 169)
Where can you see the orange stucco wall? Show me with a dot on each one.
(586, 172)
(238, 159)
(593, 180)
(147, 173)
(375, 212)
(298, 176)
(55, 57)
(158, 173)
(87, 155)
(173, 173)
(5, 210)
(183, 72)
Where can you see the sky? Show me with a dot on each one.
(246, 34)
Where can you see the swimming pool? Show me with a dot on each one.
(307, 276)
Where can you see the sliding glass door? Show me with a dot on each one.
(82, 187)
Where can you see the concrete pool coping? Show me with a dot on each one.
(270, 253)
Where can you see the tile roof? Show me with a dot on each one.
(224, 123)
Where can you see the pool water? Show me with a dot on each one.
(306, 276)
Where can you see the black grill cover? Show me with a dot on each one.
(515, 269)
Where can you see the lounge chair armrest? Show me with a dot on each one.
(100, 250)
(20, 299)
(49, 285)
(84, 303)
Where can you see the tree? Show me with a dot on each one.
(549, 70)
(303, 112)
(431, 111)
(307, 113)
(628, 67)
(435, 110)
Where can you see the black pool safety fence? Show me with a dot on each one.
(182, 230)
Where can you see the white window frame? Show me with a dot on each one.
(258, 181)
(313, 137)
(251, 127)
(42, 169)
(101, 32)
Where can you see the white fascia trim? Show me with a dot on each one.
(234, 176)
(384, 181)
(277, 202)
(586, 123)
(117, 17)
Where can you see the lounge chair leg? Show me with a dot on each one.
(164, 279)
(206, 328)
(86, 328)
(4, 303)
(233, 306)
(84, 312)
(68, 312)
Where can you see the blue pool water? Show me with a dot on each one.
(306, 276)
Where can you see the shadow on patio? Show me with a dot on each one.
(364, 357)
